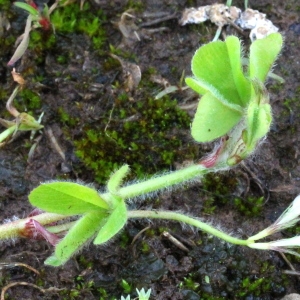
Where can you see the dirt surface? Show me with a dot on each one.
(87, 95)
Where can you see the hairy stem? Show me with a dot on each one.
(163, 181)
(14, 229)
(173, 216)
(153, 184)
(61, 227)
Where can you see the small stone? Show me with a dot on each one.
(291, 297)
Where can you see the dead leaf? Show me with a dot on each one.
(131, 72)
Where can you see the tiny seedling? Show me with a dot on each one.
(234, 106)
(39, 18)
(22, 122)
(142, 295)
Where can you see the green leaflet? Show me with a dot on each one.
(218, 75)
(116, 179)
(114, 222)
(28, 8)
(242, 84)
(209, 111)
(263, 53)
(217, 67)
(78, 235)
(258, 116)
(66, 198)
(259, 119)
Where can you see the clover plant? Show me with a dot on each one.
(234, 107)
(232, 96)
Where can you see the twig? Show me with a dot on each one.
(289, 272)
(156, 21)
(293, 270)
(4, 289)
(173, 240)
(264, 191)
(287, 261)
(18, 283)
(139, 234)
(9, 106)
(17, 264)
(55, 143)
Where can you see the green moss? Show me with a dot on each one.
(62, 59)
(268, 281)
(41, 41)
(288, 7)
(142, 134)
(275, 88)
(249, 286)
(137, 5)
(208, 206)
(8, 37)
(127, 288)
(28, 101)
(250, 206)
(189, 283)
(40, 282)
(124, 240)
(85, 263)
(220, 186)
(3, 94)
(104, 295)
(145, 248)
(65, 118)
(7, 43)
(5, 4)
(150, 233)
(226, 273)
(70, 19)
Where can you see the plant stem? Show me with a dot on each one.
(61, 227)
(168, 215)
(161, 182)
(6, 133)
(14, 229)
(153, 184)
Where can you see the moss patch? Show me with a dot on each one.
(143, 134)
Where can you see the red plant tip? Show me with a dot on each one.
(210, 160)
(32, 4)
(34, 230)
(35, 212)
(45, 23)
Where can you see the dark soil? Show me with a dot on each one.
(85, 93)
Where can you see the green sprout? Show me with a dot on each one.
(234, 107)
(126, 286)
(142, 295)
(39, 18)
(22, 122)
